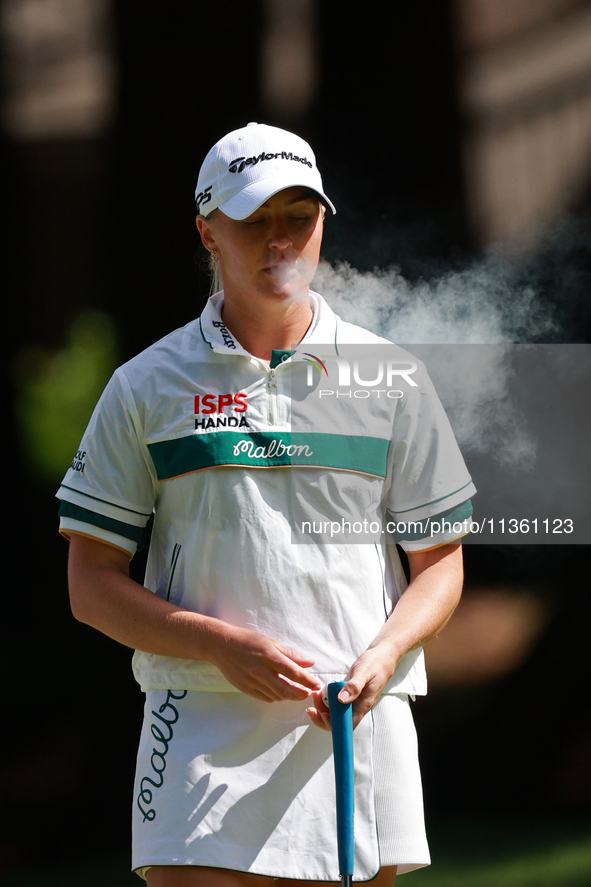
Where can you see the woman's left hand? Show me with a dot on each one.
(366, 680)
(422, 611)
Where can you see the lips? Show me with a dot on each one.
(282, 273)
(280, 267)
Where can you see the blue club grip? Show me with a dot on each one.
(341, 719)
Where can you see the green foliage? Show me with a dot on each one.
(478, 853)
(509, 854)
(566, 866)
(58, 389)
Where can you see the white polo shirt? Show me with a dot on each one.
(256, 474)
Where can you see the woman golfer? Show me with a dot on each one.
(241, 622)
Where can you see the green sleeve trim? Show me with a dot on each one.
(262, 449)
(441, 498)
(136, 534)
(97, 499)
(412, 531)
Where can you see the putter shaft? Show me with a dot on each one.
(341, 717)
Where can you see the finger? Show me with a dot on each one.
(258, 681)
(296, 665)
(302, 659)
(281, 687)
(320, 704)
(291, 690)
(259, 694)
(351, 690)
(361, 708)
(298, 675)
(319, 719)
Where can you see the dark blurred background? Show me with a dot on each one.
(443, 131)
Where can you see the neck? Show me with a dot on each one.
(278, 326)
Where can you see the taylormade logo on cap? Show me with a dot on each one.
(250, 165)
(240, 162)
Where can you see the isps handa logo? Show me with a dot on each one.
(212, 408)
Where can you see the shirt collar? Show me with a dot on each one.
(214, 330)
(322, 330)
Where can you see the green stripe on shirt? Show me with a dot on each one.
(264, 449)
(136, 534)
(413, 530)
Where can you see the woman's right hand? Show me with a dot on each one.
(259, 666)
(103, 595)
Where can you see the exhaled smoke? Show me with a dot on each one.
(478, 306)
(519, 408)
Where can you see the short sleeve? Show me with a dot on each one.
(110, 488)
(428, 501)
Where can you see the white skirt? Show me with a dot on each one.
(224, 780)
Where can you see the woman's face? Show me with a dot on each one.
(272, 254)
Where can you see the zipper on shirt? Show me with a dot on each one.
(272, 396)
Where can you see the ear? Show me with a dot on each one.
(206, 232)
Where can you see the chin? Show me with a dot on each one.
(287, 282)
(284, 289)
(288, 292)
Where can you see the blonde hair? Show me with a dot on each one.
(213, 264)
(215, 274)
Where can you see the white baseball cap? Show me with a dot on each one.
(250, 165)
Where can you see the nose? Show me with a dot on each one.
(279, 236)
